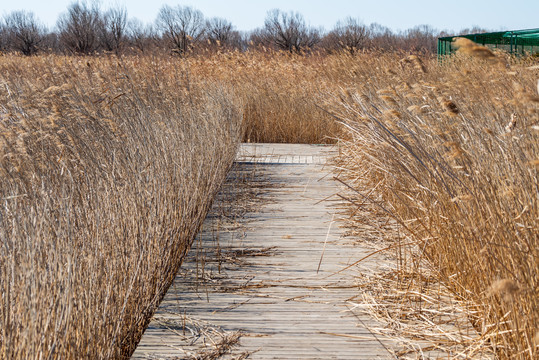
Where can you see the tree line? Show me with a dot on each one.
(86, 28)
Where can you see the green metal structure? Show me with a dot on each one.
(517, 42)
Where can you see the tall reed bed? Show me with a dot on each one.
(450, 151)
(280, 92)
(107, 169)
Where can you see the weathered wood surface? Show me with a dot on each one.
(288, 299)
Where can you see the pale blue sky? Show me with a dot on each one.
(450, 15)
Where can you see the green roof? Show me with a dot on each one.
(526, 34)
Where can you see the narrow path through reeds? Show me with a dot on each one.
(272, 287)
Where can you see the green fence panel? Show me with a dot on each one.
(517, 42)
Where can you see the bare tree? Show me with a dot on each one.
(221, 32)
(24, 32)
(382, 37)
(420, 38)
(288, 31)
(139, 35)
(51, 43)
(79, 27)
(182, 27)
(112, 29)
(257, 37)
(349, 35)
(4, 38)
(473, 30)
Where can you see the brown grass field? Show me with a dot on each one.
(108, 166)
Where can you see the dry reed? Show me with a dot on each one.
(280, 93)
(107, 169)
(450, 158)
(109, 165)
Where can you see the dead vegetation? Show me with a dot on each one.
(108, 167)
(445, 152)
(199, 340)
(279, 91)
(405, 294)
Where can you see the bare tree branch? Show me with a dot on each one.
(24, 32)
(79, 27)
(350, 35)
(221, 32)
(182, 26)
(420, 38)
(139, 35)
(113, 29)
(288, 31)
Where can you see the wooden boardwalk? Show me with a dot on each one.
(270, 289)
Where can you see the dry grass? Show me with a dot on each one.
(198, 340)
(449, 152)
(280, 93)
(108, 167)
(406, 295)
(107, 170)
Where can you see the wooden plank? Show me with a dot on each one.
(293, 303)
